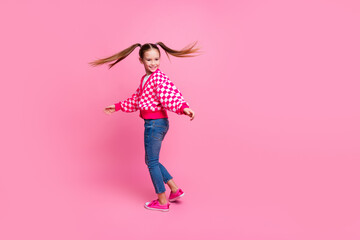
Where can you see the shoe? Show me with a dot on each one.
(174, 196)
(155, 205)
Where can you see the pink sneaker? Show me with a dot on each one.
(155, 205)
(174, 196)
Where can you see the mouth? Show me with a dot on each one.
(152, 68)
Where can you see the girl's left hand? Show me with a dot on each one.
(190, 113)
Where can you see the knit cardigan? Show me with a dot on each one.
(158, 95)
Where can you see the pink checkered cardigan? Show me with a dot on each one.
(158, 95)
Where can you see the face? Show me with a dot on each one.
(151, 60)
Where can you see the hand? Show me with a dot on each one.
(190, 113)
(110, 109)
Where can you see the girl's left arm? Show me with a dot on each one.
(170, 96)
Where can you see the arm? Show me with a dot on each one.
(170, 97)
(129, 105)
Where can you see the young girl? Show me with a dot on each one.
(155, 94)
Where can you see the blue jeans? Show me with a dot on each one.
(155, 131)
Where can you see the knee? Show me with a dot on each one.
(152, 163)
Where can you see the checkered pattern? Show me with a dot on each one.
(159, 93)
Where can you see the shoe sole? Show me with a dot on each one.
(174, 199)
(156, 209)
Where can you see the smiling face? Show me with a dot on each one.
(151, 60)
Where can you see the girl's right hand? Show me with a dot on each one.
(110, 109)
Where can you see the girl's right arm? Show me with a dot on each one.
(129, 105)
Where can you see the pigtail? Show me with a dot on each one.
(185, 52)
(116, 57)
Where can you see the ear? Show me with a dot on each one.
(141, 61)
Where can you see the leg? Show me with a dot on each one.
(172, 185)
(166, 175)
(162, 198)
(155, 130)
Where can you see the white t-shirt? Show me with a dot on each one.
(145, 79)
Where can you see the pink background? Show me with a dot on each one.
(273, 152)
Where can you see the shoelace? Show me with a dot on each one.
(174, 194)
(153, 202)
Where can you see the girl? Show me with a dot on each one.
(155, 94)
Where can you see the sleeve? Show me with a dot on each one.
(170, 97)
(129, 105)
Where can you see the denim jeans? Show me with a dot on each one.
(155, 131)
